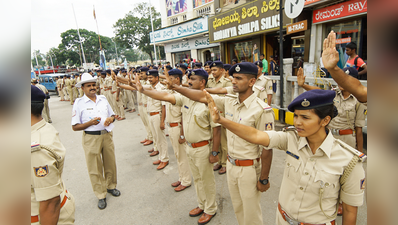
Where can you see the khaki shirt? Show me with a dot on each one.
(306, 172)
(154, 105)
(196, 118)
(261, 92)
(101, 82)
(222, 82)
(265, 82)
(352, 113)
(144, 98)
(184, 79)
(173, 112)
(108, 83)
(42, 88)
(59, 84)
(251, 112)
(46, 165)
(68, 83)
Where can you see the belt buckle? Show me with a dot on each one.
(104, 131)
(231, 160)
(168, 124)
(335, 132)
(290, 221)
(189, 144)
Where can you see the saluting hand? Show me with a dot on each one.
(215, 115)
(261, 187)
(330, 57)
(300, 77)
(167, 81)
(139, 86)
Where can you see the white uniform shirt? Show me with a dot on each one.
(85, 109)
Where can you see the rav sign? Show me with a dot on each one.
(338, 11)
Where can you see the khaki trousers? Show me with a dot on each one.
(349, 139)
(129, 100)
(46, 111)
(75, 93)
(144, 117)
(70, 93)
(100, 157)
(113, 103)
(81, 93)
(223, 148)
(61, 94)
(181, 156)
(120, 106)
(203, 176)
(159, 138)
(65, 91)
(242, 185)
(67, 212)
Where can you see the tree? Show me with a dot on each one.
(69, 49)
(40, 59)
(133, 30)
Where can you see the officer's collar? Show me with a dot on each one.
(248, 100)
(326, 145)
(38, 125)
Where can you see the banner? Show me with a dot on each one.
(197, 3)
(175, 7)
(339, 11)
(252, 18)
(102, 60)
(194, 43)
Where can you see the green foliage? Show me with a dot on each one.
(40, 59)
(133, 30)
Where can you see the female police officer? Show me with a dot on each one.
(320, 170)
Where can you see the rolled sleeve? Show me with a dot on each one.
(179, 100)
(277, 139)
(76, 114)
(230, 90)
(268, 87)
(360, 115)
(266, 121)
(352, 191)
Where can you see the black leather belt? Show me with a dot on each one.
(96, 132)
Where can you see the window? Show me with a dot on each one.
(46, 79)
(242, 51)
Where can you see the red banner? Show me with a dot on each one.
(307, 2)
(341, 10)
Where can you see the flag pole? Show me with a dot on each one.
(154, 42)
(99, 37)
(78, 33)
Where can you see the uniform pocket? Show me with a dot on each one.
(329, 181)
(292, 167)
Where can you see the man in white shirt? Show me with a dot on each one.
(93, 114)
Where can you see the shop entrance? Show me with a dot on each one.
(206, 55)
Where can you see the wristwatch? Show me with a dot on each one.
(182, 136)
(215, 153)
(264, 182)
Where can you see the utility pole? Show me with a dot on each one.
(78, 33)
(281, 112)
(154, 42)
(37, 62)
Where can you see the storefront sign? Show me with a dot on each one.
(246, 20)
(182, 30)
(296, 27)
(338, 11)
(307, 2)
(194, 43)
(343, 40)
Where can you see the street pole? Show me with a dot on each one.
(37, 63)
(52, 63)
(116, 53)
(78, 33)
(154, 42)
(282, 113)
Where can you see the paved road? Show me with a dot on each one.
(147, 196)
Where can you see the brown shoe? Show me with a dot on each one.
(150, 151)
(195, 212)
(148, 143)
(145, 140)
(138, 114)
(217, 167)
(181, 188)
(133, 110)
(176, 184)
(162, 165)
(223, 170)
(340, 210)
(154, 153)
(157, 162)
(205, 218)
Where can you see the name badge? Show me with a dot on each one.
(292, 155)
(186, 107)
(89, 108)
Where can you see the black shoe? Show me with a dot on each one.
(102, 203)
(115, 192)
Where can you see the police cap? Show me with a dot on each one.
(36, 95)
(244, 68)
(208, 63)
(312, 99)
(152, 73)
(175, 72)
(351, 71)
(227, 66)
(259, 63)
(199, 72)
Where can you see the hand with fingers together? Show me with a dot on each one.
(167, 81)
(330, 56)
(138, 86)
(215, 114)
(300, 77)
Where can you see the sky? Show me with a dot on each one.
(50, 18)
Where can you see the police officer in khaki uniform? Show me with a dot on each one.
(207, 66)
(93, 114)
(65, 88)
(319, 169)
(74, 88)
(109, 88)
(183, 69)
(177, 138)
(247, 176)
(68, 84)
(198, 128)
(60, 86)
(128, 95)
(78, 79)
(118, 96)
(51, 203)
(217, 80)
(265, 84)
(347, 125)
(46, 109)
(102, 76)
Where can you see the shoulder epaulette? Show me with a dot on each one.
(289, 128)
(231, 95)
(362, 157)
(34, 147)
(259, 88)
(264, 105)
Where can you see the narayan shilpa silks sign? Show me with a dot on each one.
(246, 20)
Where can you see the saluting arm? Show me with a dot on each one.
(217, 90)
(247, 133)
(158, 95)
(301, 80)
(330, 57)
(195, 95)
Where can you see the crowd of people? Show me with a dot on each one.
(218, 118)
